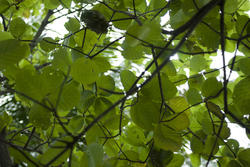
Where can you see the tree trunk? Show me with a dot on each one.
(5, 160)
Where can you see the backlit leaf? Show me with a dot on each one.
(178, 104)
(177, 161)
(145, 113)
(106, 84)
(4, 5)
(209, 145)
(72, 25)
(127, 79)
(198, 63)
(70, 96)
(211, 87)
(244, 65)
(134, 136)
(76, 124)
(152, 89)
(57, 152)
(241, 95)
(84, 71)
(244, 157)
(40, 117)
(95, 155)
(47, 44)
(166, 138)
(8, 55)
(193, 96)
(17, 27)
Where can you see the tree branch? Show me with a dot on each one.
(40, 30)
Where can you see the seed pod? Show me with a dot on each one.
(95, 21)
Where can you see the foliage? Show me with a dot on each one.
(109, 93)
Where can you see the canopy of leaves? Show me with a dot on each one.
(128, 84)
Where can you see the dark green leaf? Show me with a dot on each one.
(145, 113)
(8, 55)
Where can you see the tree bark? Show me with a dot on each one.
(5, 160)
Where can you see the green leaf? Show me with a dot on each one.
(241, 95)
(85, 71)
(166, 138)
(145, 113)
(197, 142)
(152, 89)
(244, 65)
(134, 136)
(102, 63)
(209, 145)
(178, 79)
(72, 25)
(70, 96)
(131, 49)
(47, 44)
(170, 69)
(178, 19)
(177, 161)
(53, 77)
(5, 120)
(193, 96)
(40, 117)
(95, 134)
(231, 6)
(215, 109)
(245, 5)
(195, 81)
(91, 39)
(234, 163)
(110, 148)
(212, 73)
(66, 3)
(207, 37)
(149, 32)
(127, 79)
(10, 56)
(244, 157)
(231, 148)
(198, 63)
(211, 87)
(157, 4)
(20, 157)
(51, 4)
(241, 21)
(17, 27)
(4, 5)
(236, 66)
(95, 155)
(119, 22)
(61, 59)
(177, 122)
(101, 104)
(195, 160)
(5, 36)
(86, 100)
(105, 84)
(206, 123)
(84, 160)
(178, 104)
(76, 124)
(31, 84)
(112, 121)
(56, 152)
